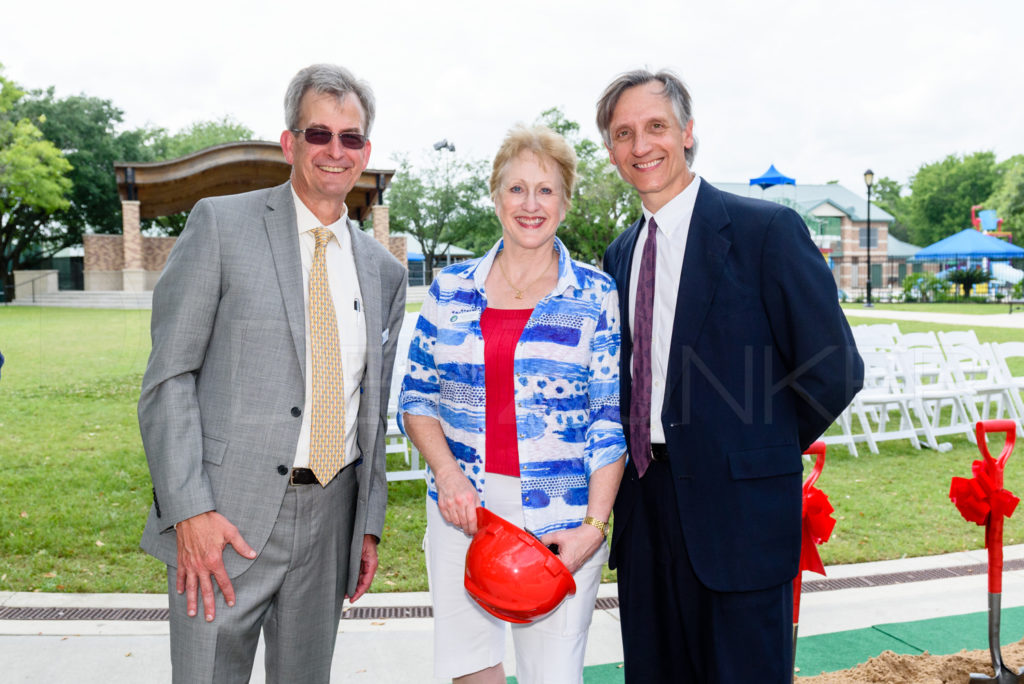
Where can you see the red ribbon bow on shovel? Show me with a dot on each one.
(975, 498)
(818, 522)
(978, 497)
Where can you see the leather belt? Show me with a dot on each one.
(305, 476)
(302, 476)
(659, 452)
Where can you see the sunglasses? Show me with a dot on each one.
(321, 136)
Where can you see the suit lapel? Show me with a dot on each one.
(707, 244)
(368, 274)
(279, 220)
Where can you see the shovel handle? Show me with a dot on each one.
(816, 449)
(994, 544)
(994, 527)
(985, 426)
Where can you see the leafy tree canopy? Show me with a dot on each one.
(443, 201)
(943, 192)
(1008, 198)
(33, 181)
(888, 194)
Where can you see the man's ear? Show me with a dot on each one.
(287, 143)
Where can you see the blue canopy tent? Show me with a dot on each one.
(969, 244)
(772, 177)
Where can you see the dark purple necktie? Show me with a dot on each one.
(643, 320)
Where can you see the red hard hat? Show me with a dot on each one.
(511, 574)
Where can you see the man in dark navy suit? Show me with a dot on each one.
(735, 357)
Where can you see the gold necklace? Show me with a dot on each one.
(515, 290)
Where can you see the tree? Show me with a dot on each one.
(942, 194)
(445, 202)
(33, 182)
(924, 286)
(967, 278)
(602, 203)
(200, 135)
(888, 195)
(1008, 198)
(86, 129)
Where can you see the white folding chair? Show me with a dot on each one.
(930, 380)
(881, 394)
(975, 367)
(1009, 357)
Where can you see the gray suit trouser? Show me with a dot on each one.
(293, 591)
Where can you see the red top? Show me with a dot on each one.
(501, 329)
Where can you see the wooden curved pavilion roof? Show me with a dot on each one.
(168, 187)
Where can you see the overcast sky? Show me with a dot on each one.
(822, 89)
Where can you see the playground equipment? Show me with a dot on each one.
(986, 222)
(983, 501)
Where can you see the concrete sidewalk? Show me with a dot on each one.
(398, 650)
(1002, 320)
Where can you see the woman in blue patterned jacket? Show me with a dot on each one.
(512, 397)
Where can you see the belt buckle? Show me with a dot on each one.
(291, 478)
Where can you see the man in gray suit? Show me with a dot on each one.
(227, 402)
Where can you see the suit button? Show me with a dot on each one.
(282, 470)
(296, 411)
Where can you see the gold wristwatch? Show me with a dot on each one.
(599, 524)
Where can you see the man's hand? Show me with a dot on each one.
(575, 546)
(367, 566)
(201, 542)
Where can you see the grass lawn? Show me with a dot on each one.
(75, 488)
(934, 307)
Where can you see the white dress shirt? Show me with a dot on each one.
(673, 228)
(348, 308)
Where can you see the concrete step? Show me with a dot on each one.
(91, 299)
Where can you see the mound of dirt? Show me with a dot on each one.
(890, 668)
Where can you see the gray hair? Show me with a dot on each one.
(331, 79)
(673, 88)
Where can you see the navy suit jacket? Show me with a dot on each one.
(762, 361)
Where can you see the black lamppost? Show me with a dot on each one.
(869, 180)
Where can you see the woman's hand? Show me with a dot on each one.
(457, 498)
(575, 546)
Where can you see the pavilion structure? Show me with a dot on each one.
(131, 262)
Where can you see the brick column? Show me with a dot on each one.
(133, 277)
(381, 223)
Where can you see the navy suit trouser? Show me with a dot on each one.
(676, 630)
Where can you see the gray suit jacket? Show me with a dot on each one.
(222, 396)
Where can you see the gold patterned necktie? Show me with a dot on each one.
(327, 421)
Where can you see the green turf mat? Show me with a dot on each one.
(597, 674)
(841, 650)
(957, 632)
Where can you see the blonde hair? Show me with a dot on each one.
(543, 142)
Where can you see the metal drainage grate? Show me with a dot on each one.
(400, 612)
(91, 614)
(891, 578)
(388, 613)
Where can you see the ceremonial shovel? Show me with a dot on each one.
(983, 500)
(817, 523)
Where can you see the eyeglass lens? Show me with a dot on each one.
(320, 136)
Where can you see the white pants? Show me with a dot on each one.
(468, 639)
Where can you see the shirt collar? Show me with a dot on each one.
(566, 273)
(306, 221)
(678, 211)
